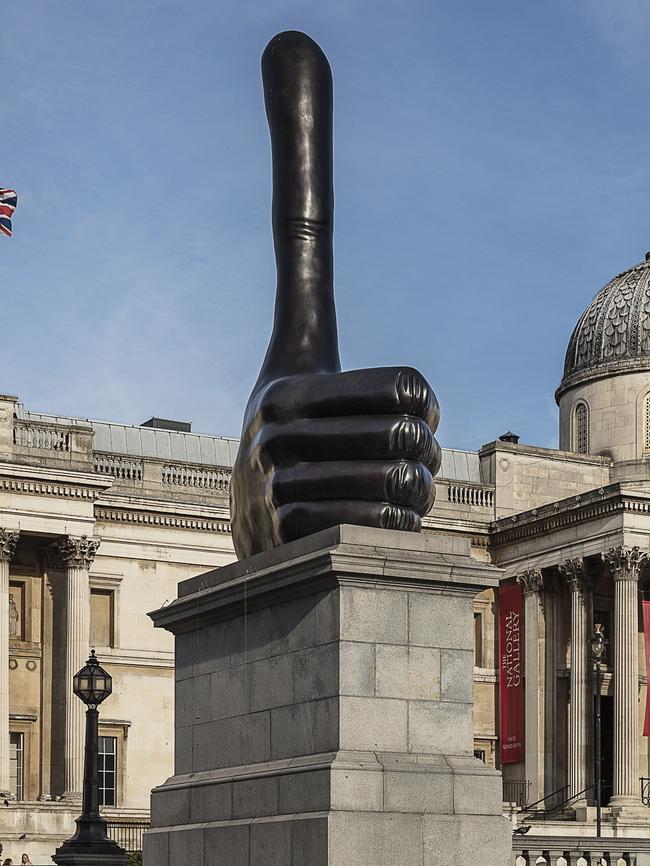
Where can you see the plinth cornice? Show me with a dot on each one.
(342, 555)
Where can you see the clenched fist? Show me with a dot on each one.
(320, 447)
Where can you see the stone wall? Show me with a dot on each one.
(526, 476)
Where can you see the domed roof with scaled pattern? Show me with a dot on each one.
(613, 334)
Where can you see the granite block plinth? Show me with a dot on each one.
(324, 710)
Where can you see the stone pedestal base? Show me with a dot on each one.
(324, 710)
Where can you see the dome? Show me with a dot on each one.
(612, 336)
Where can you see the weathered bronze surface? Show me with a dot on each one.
(320, 447)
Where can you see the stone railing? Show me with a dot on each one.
(43, 437)
(118, 467)
(470, 495)
(576, 851)
(179, 475)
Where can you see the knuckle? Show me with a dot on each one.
(412, 437)
(416, 395)
(410, 484)
(395, 517)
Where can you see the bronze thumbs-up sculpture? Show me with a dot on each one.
(320, 447)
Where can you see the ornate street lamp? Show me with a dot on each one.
(90, 844)
(598, 644)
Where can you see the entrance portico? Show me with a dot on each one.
(597, 545)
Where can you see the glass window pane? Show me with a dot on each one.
(16, 773)
(107, 771)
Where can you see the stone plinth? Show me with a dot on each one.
(324, 710)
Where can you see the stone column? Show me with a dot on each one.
(625, 564)
(77, 555)
(574, 572)
(532, 583)
(8, 541)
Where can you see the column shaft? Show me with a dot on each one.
(531, 581)
(625, 565)
(573, 570)
(76, 653)
(7, 545)
(77, 554)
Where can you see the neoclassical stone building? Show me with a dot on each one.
(99, 522)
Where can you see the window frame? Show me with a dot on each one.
(109, 583)
(19, 792)
(578, 433)
(101, 772)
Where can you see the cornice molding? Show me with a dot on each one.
(167, 520)
(547, 519)
(46, 488)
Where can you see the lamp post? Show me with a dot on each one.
(598, 643)
(90, 844)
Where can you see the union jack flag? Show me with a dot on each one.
(8, 202)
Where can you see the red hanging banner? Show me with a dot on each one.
(511, 680)
(646, 635)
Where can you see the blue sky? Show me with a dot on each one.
(492, 172)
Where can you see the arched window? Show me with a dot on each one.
(646, 423)
(581, 429)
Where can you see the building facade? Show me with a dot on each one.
(99, 522)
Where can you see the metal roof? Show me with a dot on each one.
(460, 466)
(148, 441)
(159, 444)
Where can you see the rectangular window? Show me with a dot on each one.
(478, 640)
(101, 617)
(480, 754)
(107, 770)
(16, 765)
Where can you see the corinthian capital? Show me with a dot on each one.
(625, 563)
(531, 580)
(8, 540)
(78, 552)
(573, 570)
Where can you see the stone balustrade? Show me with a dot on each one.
(42, 437)
(181, 474)
(472, 495)
(565, 851)
(122, 468)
